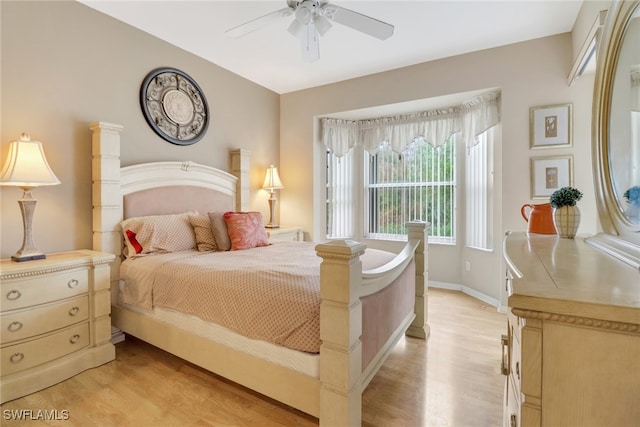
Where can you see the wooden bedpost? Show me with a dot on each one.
(419, 231)
(106, 196)
(340, 331)
(107, 199)
(239, 168)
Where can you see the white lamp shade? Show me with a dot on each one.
(272, 179)
(26, 165)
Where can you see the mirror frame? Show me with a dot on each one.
(619, 237)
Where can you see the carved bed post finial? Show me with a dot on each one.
(420, 231)
(340, 331)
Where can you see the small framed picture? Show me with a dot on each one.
(550, 126)
(549, 174)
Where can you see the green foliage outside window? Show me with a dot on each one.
(417, 185)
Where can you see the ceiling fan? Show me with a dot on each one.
(313, 18)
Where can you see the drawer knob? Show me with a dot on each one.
(72, 283)
(16, 357)
(513, 420)
(13, 294)
(74, 339)
(14, 326)
(518, 369)
(74, 310)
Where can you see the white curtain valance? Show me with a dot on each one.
(470, 119)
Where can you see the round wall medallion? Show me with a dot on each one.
(174, 106)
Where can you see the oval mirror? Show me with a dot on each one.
(616, 133)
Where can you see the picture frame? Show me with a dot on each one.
(551, 126)
(549, 174)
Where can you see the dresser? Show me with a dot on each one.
(285, 233)
(571, 354)
(55, 319)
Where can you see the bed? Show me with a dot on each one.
(366, 299)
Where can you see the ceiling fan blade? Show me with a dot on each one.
(310, 43)
(258, 23)
(365, 24)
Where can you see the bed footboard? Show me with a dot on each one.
(342, 287)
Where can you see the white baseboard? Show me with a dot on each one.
(469, 291)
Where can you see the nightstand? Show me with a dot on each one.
(285, 233)
(55, 319)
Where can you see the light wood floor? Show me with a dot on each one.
(453, 379)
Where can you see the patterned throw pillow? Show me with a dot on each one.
(246, 230)
(204, 234)
(158, 234)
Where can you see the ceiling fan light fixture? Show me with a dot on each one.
(296, 28)
(322, 24)
(304, 13)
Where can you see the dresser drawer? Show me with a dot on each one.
(512, 405)
(515, 352)
(284, 234)
(27, 323)
(516, 366)
(282, 237)
(23, 356)
(29, 291)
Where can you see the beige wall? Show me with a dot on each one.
(532, 73)
(65, 65)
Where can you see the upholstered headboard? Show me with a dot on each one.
(173, 187)
(175, 199)
(156, 188)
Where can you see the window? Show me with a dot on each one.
(419, 185)
(341, 195)
(374, 195)
(478, 193)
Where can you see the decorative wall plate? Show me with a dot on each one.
(174, 106)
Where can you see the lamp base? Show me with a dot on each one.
(28, 251)
(272, 207)
(27, 257)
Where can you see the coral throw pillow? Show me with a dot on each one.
(246, 230)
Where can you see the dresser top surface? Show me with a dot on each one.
(55, 260)
(568, 276)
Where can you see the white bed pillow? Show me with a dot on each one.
(158, 234)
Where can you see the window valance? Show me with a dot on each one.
(470, 119)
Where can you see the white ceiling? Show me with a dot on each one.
(425, 30)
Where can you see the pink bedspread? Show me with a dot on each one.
(269, 293)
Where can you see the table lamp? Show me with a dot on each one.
(26, 167)
(271, 183)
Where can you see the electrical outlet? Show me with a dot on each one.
(467, 265)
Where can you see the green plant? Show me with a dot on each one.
(566, 196)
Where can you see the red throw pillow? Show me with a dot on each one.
(246, 230)
(133, 241)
